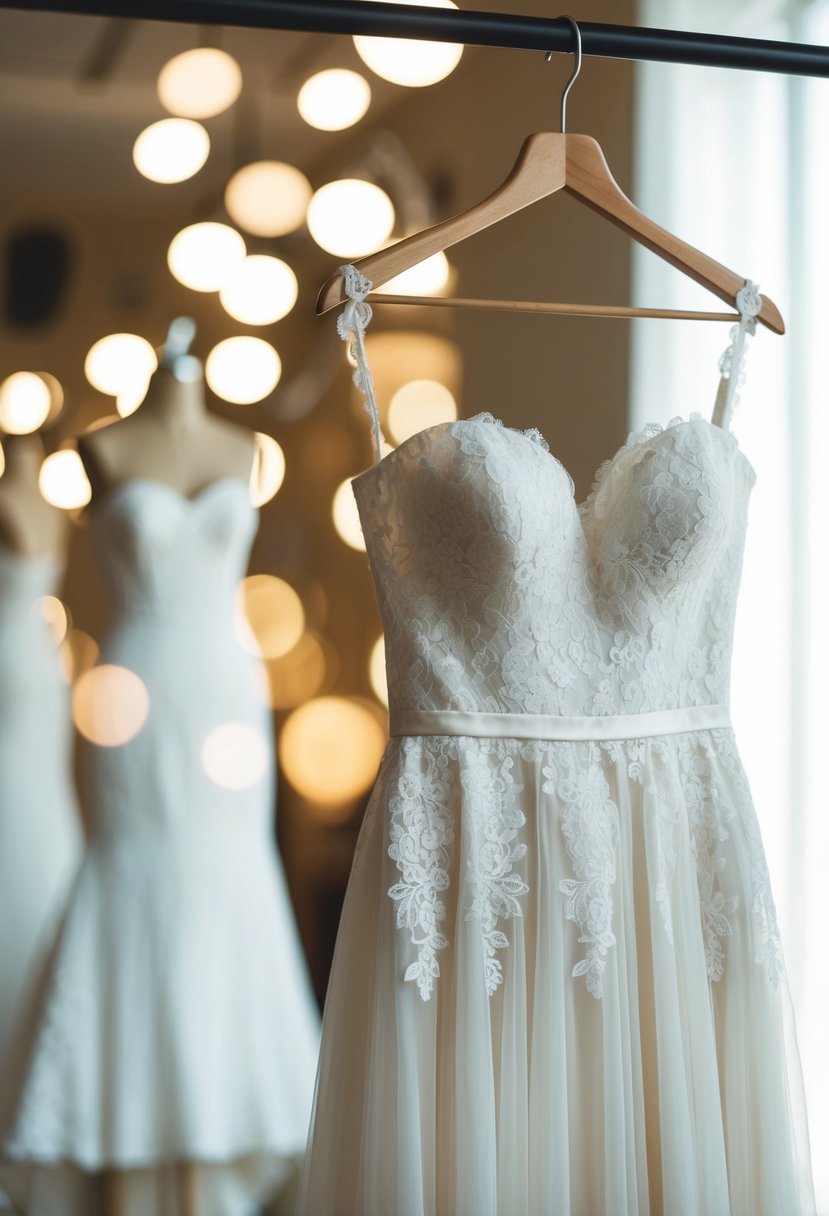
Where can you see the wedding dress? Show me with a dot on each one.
(40, 837)
(558, 986)
(178, 1024)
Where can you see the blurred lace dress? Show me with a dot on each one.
(558, 985)
(178, 1023)
(40, 836)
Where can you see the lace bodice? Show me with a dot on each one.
(499, 594)
(169, 557)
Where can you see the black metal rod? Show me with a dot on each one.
(473, 28)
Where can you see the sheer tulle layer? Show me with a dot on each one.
(142, 1060)
(574, 1000)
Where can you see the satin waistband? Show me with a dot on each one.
(553, 727)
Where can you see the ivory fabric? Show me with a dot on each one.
(40, 831)
(559, 984)
(178, 1023)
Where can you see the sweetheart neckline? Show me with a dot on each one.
(186, 500)
(648, 432)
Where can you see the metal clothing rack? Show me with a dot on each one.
(472, 28)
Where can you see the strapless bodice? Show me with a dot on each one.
(500, 594)
(167, 557)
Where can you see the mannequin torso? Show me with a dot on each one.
(171, 438)
(29, 525)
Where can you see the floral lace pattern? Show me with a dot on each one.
(421, 832)
(499, 594)
(589, 829)
(495, 818)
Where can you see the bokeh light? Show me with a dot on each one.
(298, 675)
(78, 652)
(377, 670)
(269, 615)
(329, 750)
(350, 217)
(418, 405)
(426, 278)
(407, 61)
(243, 369)
(118, 363)
(334, 99)
(346, 516)
(56, 616)
(259, 290)
(398, 356)
(268, 470)
(203, 256)
(268, 198)
(63, 481)
(235, 755)
(110, 704)
(171, 150)
(26, 401)
(199, 83)
(129, 399)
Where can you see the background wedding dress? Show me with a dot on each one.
(178, 1024)
(40, 836)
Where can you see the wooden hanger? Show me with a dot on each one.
(549, 162)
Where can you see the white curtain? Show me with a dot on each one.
(737, 163)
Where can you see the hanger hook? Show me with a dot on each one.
(576, 69)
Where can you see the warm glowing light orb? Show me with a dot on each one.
(259, 290)
(171, 150)
(203, 256)
(298, 675)
(334, 99)
(56, 616)
(78, 652)
(377, 670)
(235, 755)
(269, 615)
(119, 362)
(418, 405)
(25, 403)
(268, 470)
(350, 217)
(199, 83)
(329, 750)
(408, 61)
(243, 369)
(268, 198)
(63, 481)
(426, 278)
(110, 704)
(346, 516)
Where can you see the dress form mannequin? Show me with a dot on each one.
(183, 1084)
(29, 526)
(173, 439)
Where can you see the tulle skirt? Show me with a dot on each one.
(178, 1039)
(558, 988)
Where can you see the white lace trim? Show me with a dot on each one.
(588, 824)
(422, 833)
(495, 818)
(732, 363)
(352, 324)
